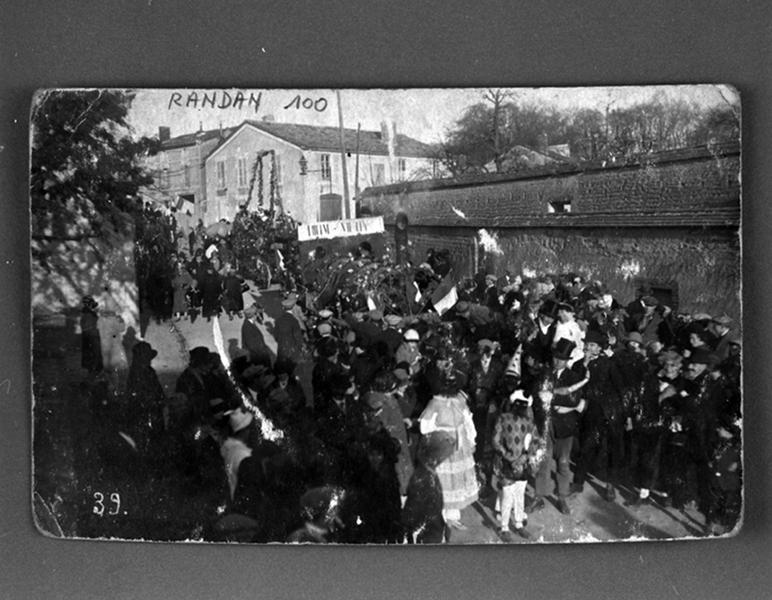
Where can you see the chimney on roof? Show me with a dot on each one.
(164, 133)
(269, 118)
(221, 131)
(385, 132)
(201, 127)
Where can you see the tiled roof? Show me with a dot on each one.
(189, 139)
(312, 137)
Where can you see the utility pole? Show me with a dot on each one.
(356, 166)
(346, 203)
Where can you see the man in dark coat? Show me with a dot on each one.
(557, 409)
(391, 335)
(700, 423)
(91, 345)
(211, 291)
(326, 370)
(189, 409)
(422, 513)
(544, 331)
(289, 336)
(484, 380)
(368, 330)
(145, 399)
(252, 338)
(602, 432)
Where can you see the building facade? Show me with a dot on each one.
(302, 169)
(671, 220)
(178, 169)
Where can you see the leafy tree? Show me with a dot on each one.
(489, 132)
(469, 147)
(85, 176)
(85, 172)
(720, 124)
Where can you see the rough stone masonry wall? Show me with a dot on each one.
(705, 264)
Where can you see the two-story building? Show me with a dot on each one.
(178, 168)
(302, 168)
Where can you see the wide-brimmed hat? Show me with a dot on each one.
(650, 301)
(325, 313)
(199, 356)
(143, 350)
(724, 320)
(401, 374)
(563, 349)
(596, 337)
(89, 302)
(549, 308)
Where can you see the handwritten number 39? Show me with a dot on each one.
(319, 105)
(99, 504)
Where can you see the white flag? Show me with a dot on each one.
(447, 302)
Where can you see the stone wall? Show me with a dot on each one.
(705, 265)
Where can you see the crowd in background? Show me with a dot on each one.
(374, 420)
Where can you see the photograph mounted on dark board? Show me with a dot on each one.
(424, 316)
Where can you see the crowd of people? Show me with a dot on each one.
(188, 270)
(368, 423)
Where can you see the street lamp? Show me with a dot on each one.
(303, 162)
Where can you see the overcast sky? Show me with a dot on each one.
(425, 114)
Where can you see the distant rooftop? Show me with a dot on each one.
(189, 139)
(313, 137)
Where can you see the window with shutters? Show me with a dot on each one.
(326, 167)
(242, 172)
(220, 166)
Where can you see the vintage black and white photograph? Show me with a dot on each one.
(387, 316)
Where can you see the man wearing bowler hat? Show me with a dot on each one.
(289, 336)
(556, 414)
(602, 431)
